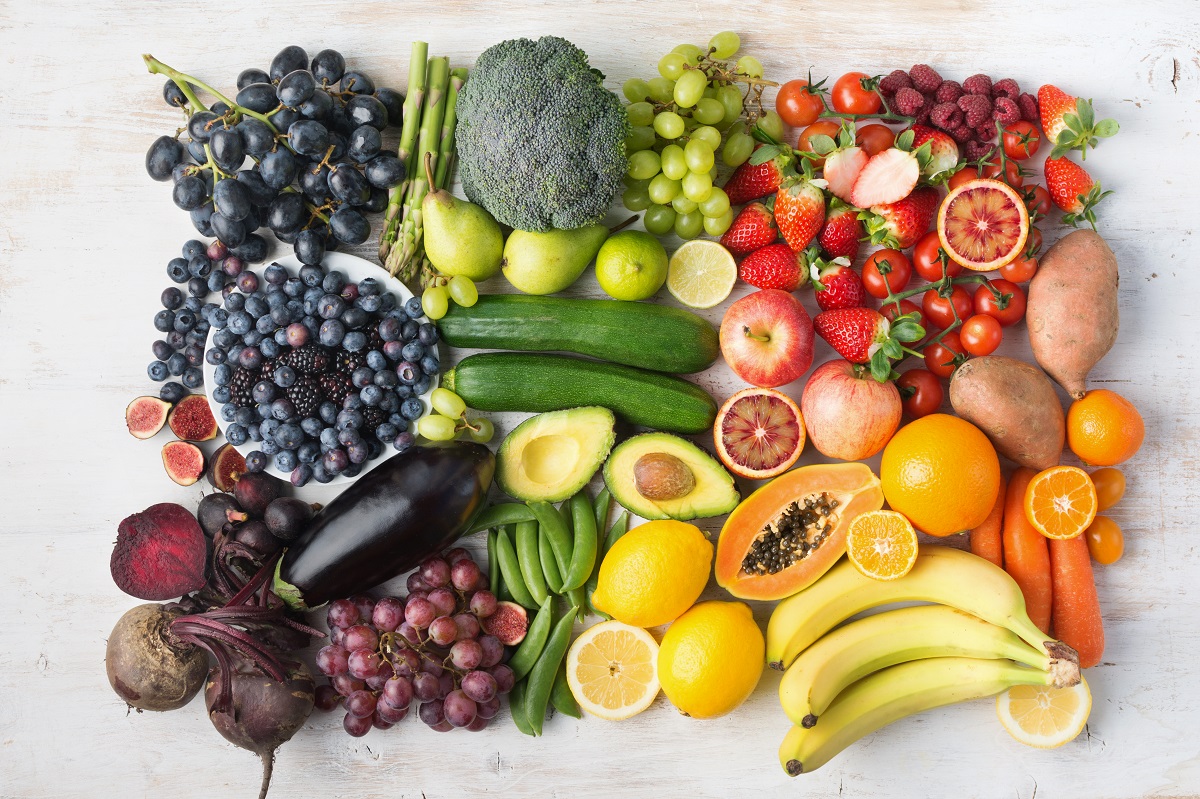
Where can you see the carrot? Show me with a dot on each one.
(986, 539)
(1076, 608)
(1026, 556)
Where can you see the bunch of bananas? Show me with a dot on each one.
(976, 641)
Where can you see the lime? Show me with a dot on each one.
(701, 273)
(631, 265)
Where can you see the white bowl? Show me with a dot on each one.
(354, 269)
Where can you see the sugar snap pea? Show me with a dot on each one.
(561, 696)
(510, 570)
(583, 551)
(528, 650)
(541, 677)
(619, 528)
(529, 561)
(516, 706)
(496, 515)
(556, 529)
(493, 563)
(602, 503)
(549, 564)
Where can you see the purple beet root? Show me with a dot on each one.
(148, 667)
(254, 491)
(161, 553)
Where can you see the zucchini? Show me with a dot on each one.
(640, 334)
(510, 381)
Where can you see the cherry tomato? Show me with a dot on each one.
(890, 311)
(798, 106)
(1012, 172)
(1110, 487)
(1033, 245)
(926, 261)
(1037, 201)
(849, 96)
(884, 268)
(1020, 269)
(921, 392)
(944, 356)
(981, 335)
(1013, 309)
(874, 138)
(828, 127)
(964, 175)
(1105, 541)
(1021, 140)
(940, 310)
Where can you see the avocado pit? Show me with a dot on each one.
(662, 476)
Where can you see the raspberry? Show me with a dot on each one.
(1029, 107)
(978, 84)
(922, 116)
(946, 116)
(976, 150)
(977, 108)
(908, 102)
(949, 92)
(985, 132)
(1006, 112)
(924, 78)
(896, 80)
(1006, 88)
(961, 134)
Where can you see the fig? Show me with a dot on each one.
(225, 467)
(184, 462)
(255, 535)
(509, 623)
(161, 553)
(145, 416)
(212, 512)
(287, 517)
(255, 491)
(192, 420)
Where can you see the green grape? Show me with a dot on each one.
(663, 189)
(716, 204)
(690, 52)
(662, 90)
(712, 174)
(731, 99)
(697, 186)
(771, 124)
(669, 125)
(674, 165)
(435, 302)
(717, 225)
(670, 66)
(462, 291)
(750, 66)
(643, 164)
(635, 90)
(447, 403)
(738, 148)
(724, 44)
(688, 226)
(709, 111)
(689, 89)
(481, 430)
(659, 219)
(630, 183)
(636, 198)
(699, 155)
(682, 205)
(436, 428)
(639, 138)
(641, 114)
(707, 134)
(711, 92)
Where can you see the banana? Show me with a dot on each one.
(942, 574)
(865, 646)
(890, 695)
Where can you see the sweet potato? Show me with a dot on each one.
(1015, 404)
(1072, 308)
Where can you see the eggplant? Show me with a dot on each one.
(410, 507)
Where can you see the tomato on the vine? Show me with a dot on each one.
(980, 334)
(1033, 244)
(826, 127)
(1021, 140)
(849, 96)
(1012, 172)
(1105, 542)
(940, 310)
(1020, 269)
(964, 175)
(1008, 309)
(892, 310)
(884, 268)
(926, 262)
(799, 104)
(874, 138)
(1037, 201)
(921, 392)
(943, 356)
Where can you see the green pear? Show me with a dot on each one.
(461, 238)
(545, 263)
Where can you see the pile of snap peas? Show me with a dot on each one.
(537, 554)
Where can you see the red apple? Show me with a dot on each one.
(848, 414)
(767, 338)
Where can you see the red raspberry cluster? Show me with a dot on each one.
(967, 111)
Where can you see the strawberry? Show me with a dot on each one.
(892, 174)
(1070, 123)
(799, 211)
(1073, 190)
(841, 170)
(840, 234)
(902, 224)
(775, 266)
(943, 152)
(863, 335)
(836, 285)
(754, 227)
(759, 176)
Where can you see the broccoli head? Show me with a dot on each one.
(541, 142)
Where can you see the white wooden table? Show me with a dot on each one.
(85, 236)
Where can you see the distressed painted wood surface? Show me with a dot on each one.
(84, 237)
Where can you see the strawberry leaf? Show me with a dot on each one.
(1106, 128)
(822, 144)
(1073, 123)
(765, 153)
(1087, 117)
(905, 140)
(906, 328)
(892, 349)
(881, 367)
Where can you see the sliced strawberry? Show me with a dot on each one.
(753, 228)
(863, 335)
(901, 224)
(759, 176)
(841, 170)
(775, 266)
(799, 211)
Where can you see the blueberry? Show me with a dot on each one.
(194, 355)
(413, 308)
(312, 325)
(177, 270)
(223, 374)
(389, 329)
(372, 395)
(256, 462)
(369, 287)
(311, 426)
(283, 409)
(247, 282)
(219, 318)
(413, 351)
(390, 402)
(362, 376)
(352, 470)
(281, 337)
(269, 447)
(263, 411)
(176, 364)
(164, 321)
(402, 442)
(410, 332)
(386, 432)
(255, 434)
(257, 306)
(161, 350)
(331, 333)
(354, 317)
(422, 385)
(300, 475)
(412, 408)
(240, 323)
(348, 436)
(193, 377)
(235, 302)
(328, 437)
(311, 275)
(370, 304)
(275, 274)
(268, 427)
(263, 392)
(270, 348)
(172, 392)
(215, 356)
(286, 460)
(280, 314)
(428, 334)
(251, 358)
(358, 452)
(216, 281)
(245, 416)
(222, 394)
(386, 378)
(284, 377)
(252, 339)
(236, 434)
(354, 341)
(387, 302)
(330, 306)
(234, 352)
(295, 309)
(171, 298)
(192, 248)
(352, 402)
(320, 473)
(349, 420)
(308, 452)
(310, 306)
(333, 282)
(335, 461)
(376, 361)
(408, 372)
(265, 325)
(430, 366)
(224, 339)
(294, 287)
(328, 412)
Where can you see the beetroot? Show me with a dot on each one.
(184, 462)
(192, 419)
(509, 623)
(145, 416)
(225, 467)
(160, 553)
(255, 491)
(147, 666)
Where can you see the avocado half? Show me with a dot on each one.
(683, 481)
(549, 457)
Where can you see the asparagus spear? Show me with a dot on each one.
(413, 102)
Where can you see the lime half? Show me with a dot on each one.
(701, 273)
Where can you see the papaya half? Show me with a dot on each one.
(785, 535)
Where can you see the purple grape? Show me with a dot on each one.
(336, 636)
(468, 626)
(483, 603)
(358, 727)
(425, 687)
(398, 691)
(464, 574)
(445, 685)
(332, 660)
(416, 583)
(345, 685)
(488, 709)
(388, 614)
(363, 663)
(443, 631)
(216, 251)
(361, 636)
(477, 724)
(504, 677)
(342, 613)
(466, 654)
(420, 612)
(432, 665)
(444, 600)
(360, 703)
(453, 556)
(459, 709)
(442, 726)
(409, 633)
(326, 698)
(405, 662)
(479, 685)
(435, 572)
(385, 673)
(377, 721)
(493, 650)
(389, 713)
(432, 712)
(365, 605)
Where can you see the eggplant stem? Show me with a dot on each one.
(260, 577)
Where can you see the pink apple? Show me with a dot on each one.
(767, 338)
(848, 414)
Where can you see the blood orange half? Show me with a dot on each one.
(759, 433)
(983, 224)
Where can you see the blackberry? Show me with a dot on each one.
(336, 387)
(241, 384)
(306, 395)
(346, 361)
(309, 359)
(374, 340)
(268, 369)
(373, 416)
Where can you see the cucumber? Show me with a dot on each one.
(640, 334)
(509, 381)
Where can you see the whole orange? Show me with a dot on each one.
(942, 473)
(1103, 428)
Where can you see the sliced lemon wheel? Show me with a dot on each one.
(612, 670)
(701, 273)
(1042, 716)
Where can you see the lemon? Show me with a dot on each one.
(653, 573)
(612, 670)
(701, 273)
(711, 659)
(1043, 716)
